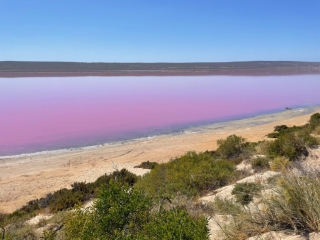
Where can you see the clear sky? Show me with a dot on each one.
(159, 31)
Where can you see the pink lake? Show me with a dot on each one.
(39, 114)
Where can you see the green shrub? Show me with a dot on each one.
(26, 232)
(64, 199)
(232, 147)
(119, 211)
(273, 135)
(122, 212)
(238, 175)
(67, 198)
(280, 164)
(297, 204)
(291, 145)
(280, 128)
(260, 163)
(177, 224)
(244, 192)
(225, 207)
(262, 147)
(314, 121)
(123, 176)
(191, 174)
(293, 206)
(147, 165)
(316, 131)
(236, 161)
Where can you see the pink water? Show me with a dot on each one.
(49, 113)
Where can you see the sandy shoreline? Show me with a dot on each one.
(30, 176)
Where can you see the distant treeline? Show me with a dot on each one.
(16, 68)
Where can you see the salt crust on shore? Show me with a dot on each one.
(30, 176)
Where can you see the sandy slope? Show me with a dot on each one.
(27, 177)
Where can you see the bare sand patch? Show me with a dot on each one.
(30, 176)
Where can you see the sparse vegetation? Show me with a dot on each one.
(232, 147)
(293, 206)
(225, 207)
(280, 164)
(260, 163)
(191, 174)
(292, 142)
(291, 145)
(314, 121)
(64, 199)
(244, 192)
(125, 213)
(147, 165)
(160, 205)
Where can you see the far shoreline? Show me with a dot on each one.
(165, 73)
(14, 69)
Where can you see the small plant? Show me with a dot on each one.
(236, 161)
(122, 212)
(290, 145)
(244, 192)
(293, 205)
(49, 235)
(280, 128)
(21, 232)
(316, 131)
(262, 147)
(225, 207)
(280, 164)
(314, 121)
(260, 163)
(147, 165)
(192, 174)
(175, 223)
(42, 222)
(232, 147)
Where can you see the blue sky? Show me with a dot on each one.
(159, 31)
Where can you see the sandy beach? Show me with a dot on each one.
(30, 176)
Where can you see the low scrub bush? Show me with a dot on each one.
(280, 164)
(122, 212)
(191, 174)
(225, 207)
(262, 147)
(293, 206)
(291, 145)
(123, 176)
(21, 232)
(233, 147)
(236, 161)
(278, 130)
(176, 223)
(244, 192)
(292, 142)
(297, 204)
(147, 165)
(260, 163)
(64, 199)
(238, 175)
(119, 211)
(316, 131)
(314, 121)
